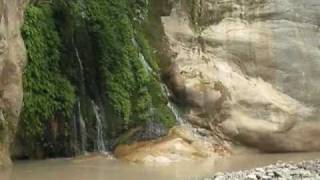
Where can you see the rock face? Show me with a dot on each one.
(12, 59)
(249, 69)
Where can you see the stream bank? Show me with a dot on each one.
(306, 170)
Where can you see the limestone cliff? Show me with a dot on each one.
(249, 69)
(12, 59)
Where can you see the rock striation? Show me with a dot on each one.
(248, 69)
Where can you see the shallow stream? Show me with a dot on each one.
(100, 168)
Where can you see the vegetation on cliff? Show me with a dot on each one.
(127, 68)
(119, 68)
(47, 92)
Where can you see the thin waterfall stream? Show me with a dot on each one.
(146, 65)
(80, 70)
(171, 105)
(82, 130)
(166, 92)
(82, 133)
(100, 144)
(79, 124)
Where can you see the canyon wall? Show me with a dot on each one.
(248, 69)
(90, 79)
(12, 60)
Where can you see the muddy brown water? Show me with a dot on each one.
(100, 168)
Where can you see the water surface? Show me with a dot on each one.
(100, 168)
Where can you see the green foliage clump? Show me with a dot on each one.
(114, 51)
(159, 101)
(46, 91)
(116, 57)
(118, 46)
(146, 50)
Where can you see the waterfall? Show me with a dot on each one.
(99, 128)
(79, 61)
(80, 130)
(75, 131)
(83, 131)
(171, 105)
(79, 123)
(176, 113)
(145, 64)
(82, 87)
(142, 59)
(166, 92)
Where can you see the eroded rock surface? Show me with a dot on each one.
(181, 144)
(249, 69)
(12, 59)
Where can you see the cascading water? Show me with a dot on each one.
(79, 61)
(171, 105)
(75, 132)
(79, 124)
(80, 69)
(100, 144)
(145, 63)
(80, 131)
(165, 89)
(142, 59)
(176, 113)
(166, 92)
(83, 131)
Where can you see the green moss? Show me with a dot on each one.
(46, 91)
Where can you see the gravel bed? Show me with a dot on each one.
(307, 170)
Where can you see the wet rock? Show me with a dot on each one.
(152, 130)
(180, 145)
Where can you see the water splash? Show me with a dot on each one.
(100, 144)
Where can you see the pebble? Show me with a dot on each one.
(306, 170)
(251, 177)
